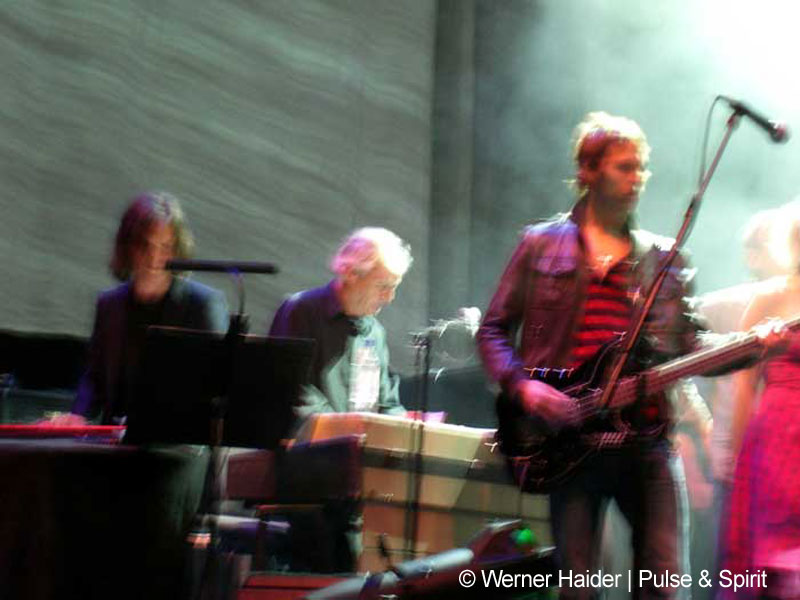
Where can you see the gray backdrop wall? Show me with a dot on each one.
(282, 125)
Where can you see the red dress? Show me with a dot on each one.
(764, 527)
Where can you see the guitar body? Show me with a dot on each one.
(541, 460)
(637, 410)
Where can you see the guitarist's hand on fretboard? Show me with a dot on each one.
(555, 409)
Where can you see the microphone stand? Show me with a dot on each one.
(213, 583)
(635, 329)
(238, 327)
(240, 323)
(422, 344)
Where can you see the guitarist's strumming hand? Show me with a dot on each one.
(555, 409)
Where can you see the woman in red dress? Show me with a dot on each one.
(764, 528)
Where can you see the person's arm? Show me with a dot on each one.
(90, 397)
(294, 320)
(692, 412)
(495, 339)
(495, 336)
(746, 380)
(215, 313)
(745, 385)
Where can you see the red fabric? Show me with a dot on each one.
(764, 523)
(607, 313)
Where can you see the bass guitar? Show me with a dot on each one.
(636, 411)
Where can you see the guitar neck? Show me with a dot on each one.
(696, 363)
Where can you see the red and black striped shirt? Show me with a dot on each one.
(607, 313)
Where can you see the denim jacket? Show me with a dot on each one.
(538, 306)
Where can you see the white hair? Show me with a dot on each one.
(367, 246)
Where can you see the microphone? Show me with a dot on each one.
(221, 266)
(779, 132)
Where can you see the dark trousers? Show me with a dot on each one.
(648, 485)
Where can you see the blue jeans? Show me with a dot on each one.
(648, 485)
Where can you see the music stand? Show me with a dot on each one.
(197, 387)
(192, 379)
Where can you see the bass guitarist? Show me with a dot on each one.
(570, 288)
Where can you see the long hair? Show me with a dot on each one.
(144, 211)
